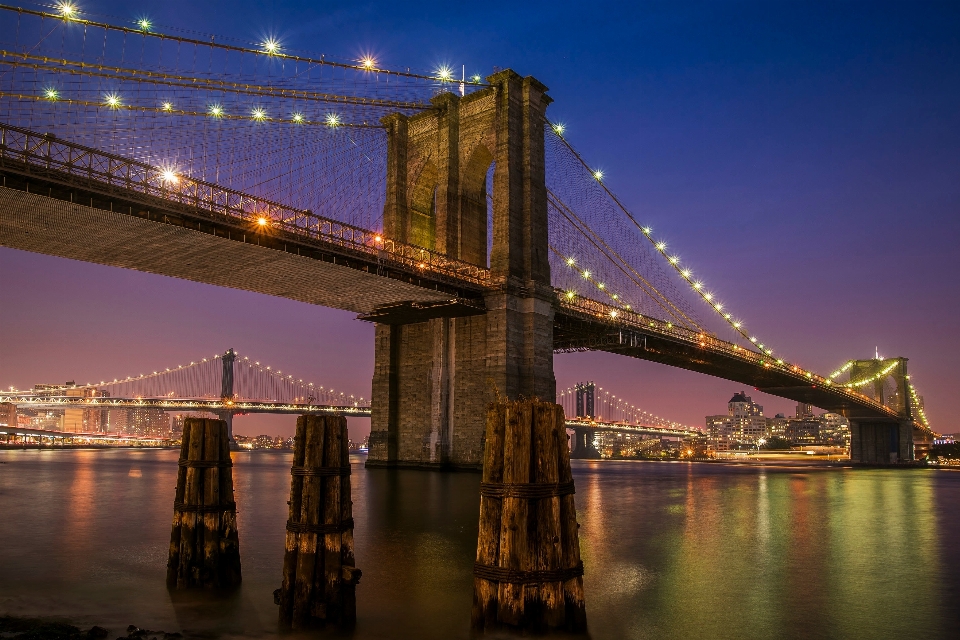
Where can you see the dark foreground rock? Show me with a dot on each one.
(51, 629)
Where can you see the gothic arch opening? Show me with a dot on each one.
(474, 211)
(423, 208)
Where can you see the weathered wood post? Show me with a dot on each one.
(528, 573)
(204, 542)
(319, 576)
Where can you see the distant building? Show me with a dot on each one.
(78, 419)
(8, 414)
(146, 421)
(744, 424)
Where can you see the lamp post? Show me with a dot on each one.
(760, 443)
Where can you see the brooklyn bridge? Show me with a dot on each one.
(450, 211)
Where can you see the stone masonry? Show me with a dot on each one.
(433, 380)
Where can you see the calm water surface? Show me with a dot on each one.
(671, 550)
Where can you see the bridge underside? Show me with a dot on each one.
(49, 219)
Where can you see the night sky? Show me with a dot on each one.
(804, 158)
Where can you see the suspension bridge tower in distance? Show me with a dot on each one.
(227, 391)
(583, 446)
(434, 377)
(885, 441)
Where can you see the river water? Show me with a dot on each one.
(671, 550)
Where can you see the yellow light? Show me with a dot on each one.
(262, 221)
(558, 128)
(570, 261)
(674, 259)
(647, 231)
(144, 24)
(51, 94)
(167, 175)
(259, 115)
(586, 274)
(297, 117)
(333, 120)
(475, 78)
(67, 9)
(708, 296)
(271, 46)
(661, 246)
(216, 111)
(569, 295)
(167, 106)
(698, 285)
(601, 285)
(598, 175)
(445, 73)
(613, 314)
(378, 239)
(686, 273)
(368, 63)
(112, 100)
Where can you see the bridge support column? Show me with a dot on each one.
(583, 447)
(433, 380)
(881, 442)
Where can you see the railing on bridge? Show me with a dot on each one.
(39, 154)
(623, 320)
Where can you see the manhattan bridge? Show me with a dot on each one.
(448, 209)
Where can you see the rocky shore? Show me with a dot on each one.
(56, 629)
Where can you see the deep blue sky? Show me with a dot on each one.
(803, 157)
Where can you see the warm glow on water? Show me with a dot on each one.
(672, 551)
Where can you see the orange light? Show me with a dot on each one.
(378, 239)
(262, 221)
(422, 265)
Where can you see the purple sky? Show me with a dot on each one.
(804, 158)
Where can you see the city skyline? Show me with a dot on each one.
(772, 149)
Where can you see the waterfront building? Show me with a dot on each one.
(146, 421)
(8, 414)
(744, 424)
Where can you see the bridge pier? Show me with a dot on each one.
(433, 379)
(583, 447)
(881, 442)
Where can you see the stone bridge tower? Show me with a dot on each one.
(434, 379)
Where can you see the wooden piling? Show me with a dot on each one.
(528, 574)
(204, 542)
(319, 576)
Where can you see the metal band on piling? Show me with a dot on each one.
(320, 471)
(303, 527)
(528, 490)
(204, 508)
(516, 576)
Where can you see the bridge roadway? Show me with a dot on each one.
(67, 200)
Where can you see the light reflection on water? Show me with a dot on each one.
(671, 550)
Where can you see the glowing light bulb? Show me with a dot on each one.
(586, 274)
(51, 94)
(297, 117)
(737, 325)
(559, 128)
(144, 24)
(168, 175)
(661, 246)
(601, 285)
(112, 100)
(570, 261)
(270, 46)
(697, 285)
(708, 296)
(686, 273)
(598, 175)
(445, 73)
(262, 222)
(368, 62)
(333, 120)
(67, 9)
(259, 115)
(674, 259)
(167, 106)
(569, 295)
(613, 314)
(216, 111)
